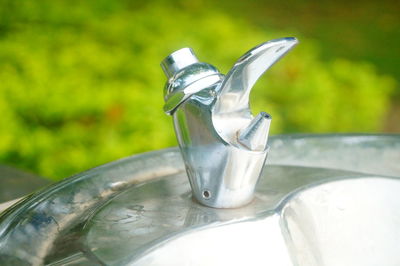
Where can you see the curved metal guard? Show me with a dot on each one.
(223, 146)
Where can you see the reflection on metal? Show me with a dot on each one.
(325, 200)
(224, 147)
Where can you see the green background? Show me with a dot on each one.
(80, 82)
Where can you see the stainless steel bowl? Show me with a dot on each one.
(322, 200)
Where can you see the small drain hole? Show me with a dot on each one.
(206, 194)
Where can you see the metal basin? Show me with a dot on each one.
(337, 223)
(322, 200)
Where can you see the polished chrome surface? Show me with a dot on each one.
(323, 200)
(177, 61)
(224, 147)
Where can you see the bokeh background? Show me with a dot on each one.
(80, 82)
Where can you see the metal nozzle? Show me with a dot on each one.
(255, 136)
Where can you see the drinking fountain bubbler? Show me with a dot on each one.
(223, 146)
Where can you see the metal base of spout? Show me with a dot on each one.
(237, 186)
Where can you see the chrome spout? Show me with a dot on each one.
(224, 147)
(255, 136)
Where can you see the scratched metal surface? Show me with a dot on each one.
(135, 210)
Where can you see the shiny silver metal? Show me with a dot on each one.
(224, 147)
(324, 200)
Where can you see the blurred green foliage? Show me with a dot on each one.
(80, 82)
